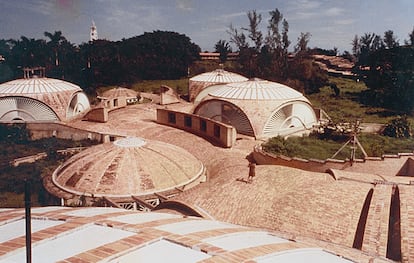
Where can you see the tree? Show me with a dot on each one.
(356, 46)
(302, 44)
(390, 78)
(237, 37)
(390, 41)
(411, 38)
(254, 33)
(224, 48)
(55, 41)
(273, 38)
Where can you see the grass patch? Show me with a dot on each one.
(313, 148)
(347, 107)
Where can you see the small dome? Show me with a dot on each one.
(130, 166)
(219, 76)
(120, 92)
(256, 89)
(199, 85)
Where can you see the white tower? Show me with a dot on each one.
(94, 32)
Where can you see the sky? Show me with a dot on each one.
(331, 23)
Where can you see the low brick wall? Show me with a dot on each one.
(314, 165)
(39, 130)
(214, 131)
(387, 165)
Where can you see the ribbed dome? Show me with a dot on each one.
(36, 85)
(130, 166)
(219, 76)
(256, 89)
(119, 92)
(41, 99)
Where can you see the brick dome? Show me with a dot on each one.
(128, 167)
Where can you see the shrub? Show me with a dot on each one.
(281, 146)
(398, 128)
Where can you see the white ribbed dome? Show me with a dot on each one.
(36, 85)
(219, 76)
(41, 99)
(256, 89)
(199, 85)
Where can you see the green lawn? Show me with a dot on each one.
(347, 106)
(314, 148)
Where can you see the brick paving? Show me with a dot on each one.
(301, 204)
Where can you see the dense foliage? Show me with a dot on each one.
(155, 55)
(399, 127)
(387, 69)
(390, 78)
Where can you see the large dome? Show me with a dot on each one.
(198, 85)
(41, 99)
(259, 108)
(256, 89)
(128, 167)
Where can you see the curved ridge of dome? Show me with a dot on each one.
(256, 89)
(36, 86)
(219, 76)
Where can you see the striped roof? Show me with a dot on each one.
(256, 89)
(219, 76)
(36, 86)
(63, 234)
(126, 167)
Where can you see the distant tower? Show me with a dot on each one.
(94, 32)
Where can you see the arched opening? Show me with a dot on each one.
(25, 109)
(226, 112)
(289, 117)
(78, 104)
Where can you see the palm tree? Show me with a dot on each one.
(55, 42)
(224, 48)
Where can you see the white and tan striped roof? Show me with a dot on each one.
(63, 234)
(219, 76)
(27, 86)
(256, 89)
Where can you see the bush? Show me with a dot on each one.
(281, 146)
(399, 127)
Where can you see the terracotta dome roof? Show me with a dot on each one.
(256, 89)
(119, 92)
(129, 166)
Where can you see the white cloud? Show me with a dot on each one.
(345, 22)
(186, 5)
(334, 11)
